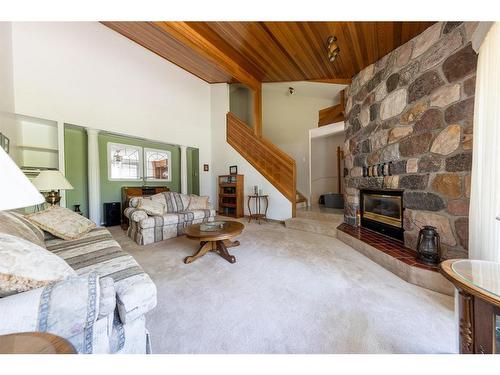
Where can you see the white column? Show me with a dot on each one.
(184, 170)
(61, 161)
(93, 176)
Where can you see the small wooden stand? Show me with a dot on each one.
(257, 215)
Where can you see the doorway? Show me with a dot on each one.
(326, 163)
(193, 173)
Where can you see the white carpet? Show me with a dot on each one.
(289, 292)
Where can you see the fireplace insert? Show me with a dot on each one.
(382, 211)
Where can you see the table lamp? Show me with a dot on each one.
(16, 190)
(51, 182)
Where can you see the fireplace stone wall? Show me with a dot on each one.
(414, 108)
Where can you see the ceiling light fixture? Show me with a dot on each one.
(332, 48)
(291, 90)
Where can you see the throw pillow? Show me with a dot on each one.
(61, 222)
(198, 203)
(167, 199)
(153, 208)
(17, 225)
(25, 266)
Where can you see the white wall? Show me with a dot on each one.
(286, 119)
(86, 74)
(7, 120)
(223, 155)
(324, 171)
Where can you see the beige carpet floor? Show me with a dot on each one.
(289, 292)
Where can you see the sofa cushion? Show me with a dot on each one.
(151, 207)
(160, 221)
(25, 266)
(174, 202)
(133, 201)
(15, 224)
(198, 203)
(97, 251)
(197, 215)
(61, 222)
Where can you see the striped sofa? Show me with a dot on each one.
(102, 310)
(145, 229)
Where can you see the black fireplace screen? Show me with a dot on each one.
(384, 208)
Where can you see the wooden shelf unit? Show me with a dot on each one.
(231, 195)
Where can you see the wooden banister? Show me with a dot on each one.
(274, 164)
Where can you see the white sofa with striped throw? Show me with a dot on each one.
(145, 229)
(101, 310)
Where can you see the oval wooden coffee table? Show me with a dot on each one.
(217, 241)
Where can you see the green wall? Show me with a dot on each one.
(75, 164)
(111, 190)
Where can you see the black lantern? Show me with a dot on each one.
(429, 246)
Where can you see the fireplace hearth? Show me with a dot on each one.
(382, 211)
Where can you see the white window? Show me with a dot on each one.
(157, 164)
(124, 162)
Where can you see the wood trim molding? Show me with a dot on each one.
(332, 114)
(333, 81)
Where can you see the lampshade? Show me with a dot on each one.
(16, 190)
(51, 180)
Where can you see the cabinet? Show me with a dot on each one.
(231, 195)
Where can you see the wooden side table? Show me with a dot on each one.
(258, 214)
(35, 343)
(478, 285)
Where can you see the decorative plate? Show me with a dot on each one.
(214, 226)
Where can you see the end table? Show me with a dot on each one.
(257, 214)
(478, 285)
(35, 343)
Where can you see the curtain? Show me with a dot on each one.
(484, 215)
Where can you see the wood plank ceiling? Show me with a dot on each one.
(270, 51)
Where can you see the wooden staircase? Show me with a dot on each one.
(274, 164)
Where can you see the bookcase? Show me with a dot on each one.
(231, 195)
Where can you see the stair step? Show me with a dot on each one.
(327, 228)
(301, 204)
(322, 216)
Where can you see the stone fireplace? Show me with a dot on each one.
(382, 211)
(409, 127)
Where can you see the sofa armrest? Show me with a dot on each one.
(135, 214)
(135, 296)
(107, 300)
(68, 308)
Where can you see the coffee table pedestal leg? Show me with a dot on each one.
(222, 251)
(205, 247)
(220, 247)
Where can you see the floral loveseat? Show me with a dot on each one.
(100, 309)
(146, 228)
